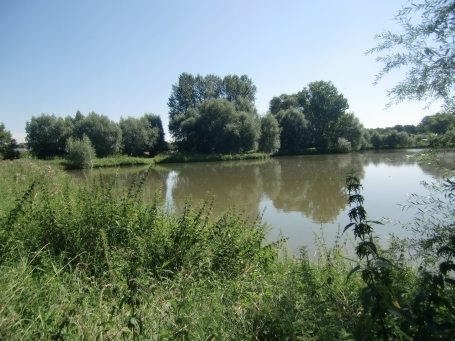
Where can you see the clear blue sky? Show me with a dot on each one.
(120, 58)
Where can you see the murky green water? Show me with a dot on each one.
(298, 195)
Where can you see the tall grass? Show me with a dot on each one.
(80, 262)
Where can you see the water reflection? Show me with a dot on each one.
(299, 193)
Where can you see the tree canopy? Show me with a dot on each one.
(217, 126)
(7, 144)
(425, 48)
(316, 118)
(190, 91)
(47, 135)
(104, 133)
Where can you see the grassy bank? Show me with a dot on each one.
(125, 160)
(84, 262)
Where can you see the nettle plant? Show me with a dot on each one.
(378, 297)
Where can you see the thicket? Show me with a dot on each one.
(96, 262)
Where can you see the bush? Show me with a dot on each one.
(80, 153)
(343, 145)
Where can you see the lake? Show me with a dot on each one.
(297, 195)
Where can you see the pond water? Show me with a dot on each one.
(297, 195)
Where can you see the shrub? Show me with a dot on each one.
(80, 153)
(343, 145)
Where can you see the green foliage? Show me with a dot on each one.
(91, 261)
(216, 126)
(105, 134)
(155, 123)
(192, 91)
(349, 128)
(379, 297)
(294, 136)
(80, 153)
(323, 106)
(437, 124)
(7, 145)
(283, 102)
(428, 53)
(138, 136)
(343, 145)
(47, 135)
(269, 141)
(316, 118)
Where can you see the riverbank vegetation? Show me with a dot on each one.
(82, 261)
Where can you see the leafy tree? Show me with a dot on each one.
(216, 126)
(7, 145)
(47, 135)
(105, 134)
(138, 136)
(283, 102)
(376, 140)
(235, 87)
(394, 139)
(80, 153)
(190, 91)
(437, 124)
(349, 128)
(429, 53)
(155, 123)
(323, 106)
(294, 135)
(409, 128)
(269, 142)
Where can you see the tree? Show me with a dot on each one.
(349, 128)
(80, 153)
(155, 123)
(294, 135)
(437, 124)
(376, 140)
(394, 139)
(138, 136)
(283, 102)
(269, 142)
(190, 91)
(426, 48)
(216, 126)
(7, 145)
(47, 135)
(322, 105)
(105, 134)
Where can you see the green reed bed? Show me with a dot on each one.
(81, 262)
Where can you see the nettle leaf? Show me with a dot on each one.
(348, 226)
(368, 246)
(354, 270)
(374, 222)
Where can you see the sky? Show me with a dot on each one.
(121, 58)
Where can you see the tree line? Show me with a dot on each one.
(210, 114)
(48, 135)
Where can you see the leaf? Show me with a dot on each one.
(354, 270)
(374, 222)
(347, 226)
(449, 280)
(383, 262)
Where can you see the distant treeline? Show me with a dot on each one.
(210, 114)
